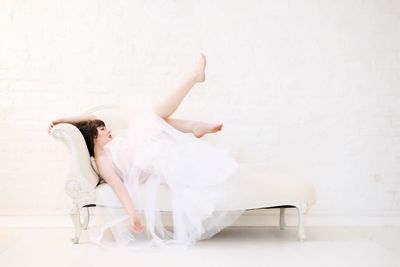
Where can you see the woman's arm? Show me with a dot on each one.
(107, 172)
(75, 119)
(72, 119)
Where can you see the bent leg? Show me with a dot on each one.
(197, 128)
(185, 126)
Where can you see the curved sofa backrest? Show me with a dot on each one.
(79, 163)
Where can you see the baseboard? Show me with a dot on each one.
(256, 218)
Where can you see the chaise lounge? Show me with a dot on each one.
(83, 185)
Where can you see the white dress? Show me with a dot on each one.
(151, 153)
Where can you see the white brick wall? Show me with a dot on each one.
(309, 87)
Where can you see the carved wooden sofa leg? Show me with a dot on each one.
(301, 210)
(76, 219)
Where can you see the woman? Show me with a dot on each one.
(155, 150)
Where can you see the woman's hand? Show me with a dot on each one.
(52, 124)
(135, 222)
(107, 171)
(72, 120)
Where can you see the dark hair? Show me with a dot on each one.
(89, 131)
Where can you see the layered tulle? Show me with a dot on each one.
(152, 154)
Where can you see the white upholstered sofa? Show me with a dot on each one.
(256, 190)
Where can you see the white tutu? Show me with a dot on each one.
(151, 153)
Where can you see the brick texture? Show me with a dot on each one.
(309, 87)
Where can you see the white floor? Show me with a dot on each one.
(234, 246)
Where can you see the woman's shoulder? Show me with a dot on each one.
(104, 164)
(101, 161)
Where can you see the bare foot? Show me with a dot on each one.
(202, 128)
(199, 70)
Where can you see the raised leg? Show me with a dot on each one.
(169, 104)
(197, 128)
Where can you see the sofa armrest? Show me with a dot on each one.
(82, 180)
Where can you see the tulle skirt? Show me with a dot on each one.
(151, 154)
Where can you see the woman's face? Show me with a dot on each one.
(103, 135)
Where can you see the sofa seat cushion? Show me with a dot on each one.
(251, 193)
